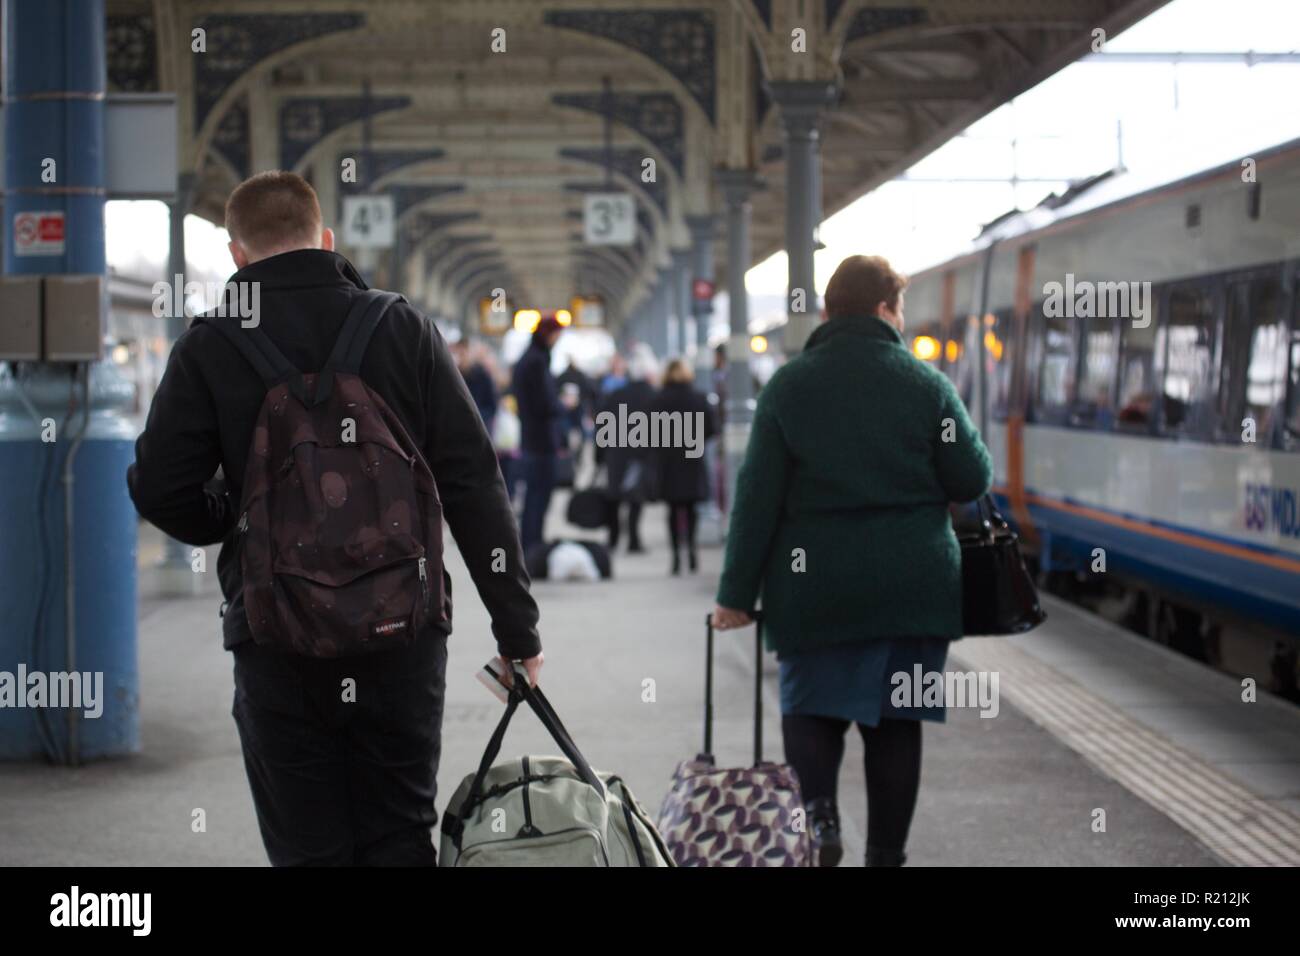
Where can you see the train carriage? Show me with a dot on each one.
(1132, 356)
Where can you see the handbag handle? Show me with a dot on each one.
(520, 691)
(758, 685)
(991, 519)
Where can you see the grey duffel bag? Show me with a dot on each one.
(545, 811)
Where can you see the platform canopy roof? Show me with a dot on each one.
(486, 120)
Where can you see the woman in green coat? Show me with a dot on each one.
(841, 523)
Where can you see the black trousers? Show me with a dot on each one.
(633, 523)
(342, 755)
(681, 525)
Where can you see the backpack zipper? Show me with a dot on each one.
(242, 527)
(424, 581)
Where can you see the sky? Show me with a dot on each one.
(1066, 127)
(1173, 118)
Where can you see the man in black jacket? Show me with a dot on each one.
(540, 411)
(341, 754)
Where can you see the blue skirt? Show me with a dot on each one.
(853, 681)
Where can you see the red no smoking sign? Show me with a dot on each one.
(38, 234)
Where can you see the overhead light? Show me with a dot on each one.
(925, 347)
(564, 317)
(526, 320)
(758, 343)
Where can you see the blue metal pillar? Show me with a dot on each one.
(737, 187)
(702, 229)
(678, 345)
(661, 312)
(802, 106)
(61, 566)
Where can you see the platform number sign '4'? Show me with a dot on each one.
(368, 222)
(609, 219)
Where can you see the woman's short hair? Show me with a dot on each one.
(679, 372)
(860, 284)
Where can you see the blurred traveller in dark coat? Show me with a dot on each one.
(478, 380)
(681, 480)
(626, 467)
(841, 521)
(578, 418)
(540, 411)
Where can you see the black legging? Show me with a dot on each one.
(633, 523)
(814, 746)
(681, 517)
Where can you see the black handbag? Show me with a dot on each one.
(998, 595)
(588, 508)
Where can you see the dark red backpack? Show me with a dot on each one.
(340, 528)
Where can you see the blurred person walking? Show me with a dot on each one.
(841, 521)
(578, 419)
(540, 413)
(478, 380)
(627, 468)
(683, 481)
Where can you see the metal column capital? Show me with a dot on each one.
(802, 103)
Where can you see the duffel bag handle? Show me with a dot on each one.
(521, 691)
(758, 685)
(555, 727)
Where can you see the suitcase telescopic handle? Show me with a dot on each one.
(758, 685)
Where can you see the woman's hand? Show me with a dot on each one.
(726, 618)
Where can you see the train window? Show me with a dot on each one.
(1055, 391)
(1097, 358)
(1186, 339)
(1252, 383)
(1137, 372)
(997, 344)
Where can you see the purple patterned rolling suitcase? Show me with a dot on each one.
(740, 816)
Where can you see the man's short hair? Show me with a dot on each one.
(860, 284)
(274, 211)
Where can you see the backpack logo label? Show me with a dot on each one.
(389, 627)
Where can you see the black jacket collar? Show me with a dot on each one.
(866, 326)
(302, 268)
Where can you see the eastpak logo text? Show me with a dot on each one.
(388, 627)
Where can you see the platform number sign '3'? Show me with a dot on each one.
(368, 222)
(609, 219)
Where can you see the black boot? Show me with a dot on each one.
(824, 827)
(879, 857)
(694, 560)
(677, 562)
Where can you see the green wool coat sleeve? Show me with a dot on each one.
(964, 466)
(760, 499)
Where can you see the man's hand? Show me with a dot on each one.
(726, 618)
(533, 666)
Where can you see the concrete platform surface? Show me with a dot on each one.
(998, 791)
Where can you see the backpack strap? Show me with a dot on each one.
(260, 352)
(354, 337)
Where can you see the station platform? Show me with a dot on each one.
(1090, 718)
